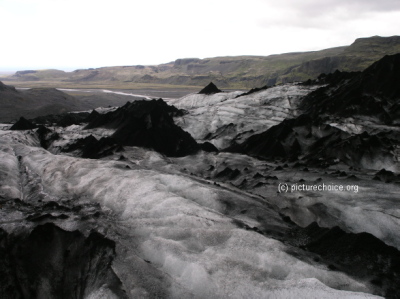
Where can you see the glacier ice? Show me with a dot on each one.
(248, 114)
(183, 227)
(180, 226)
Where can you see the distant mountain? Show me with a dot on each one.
(228, 72)
(34, 102)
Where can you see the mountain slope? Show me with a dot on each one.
(34, 102)
(228, 72)
(374, 92)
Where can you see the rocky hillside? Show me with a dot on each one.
(227, 72)
(374, 93)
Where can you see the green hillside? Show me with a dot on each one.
(226, 72)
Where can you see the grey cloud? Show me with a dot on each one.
(326, 13)
(326, 6)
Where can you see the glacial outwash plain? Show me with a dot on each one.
(227, 177)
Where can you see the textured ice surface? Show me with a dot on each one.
(210, 115)
(9, 173)
(71, 133)
(104, 110)
(359, 124)
(180, 226)
(184, 226)
(373, 208)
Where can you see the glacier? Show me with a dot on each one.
(207, 224)
(173, 225)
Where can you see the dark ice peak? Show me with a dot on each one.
(23, 124)
(382, 77)
(64, 119)
(148, 124)
(210, 89)
(90, 147)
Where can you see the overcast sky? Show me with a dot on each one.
(71, 34)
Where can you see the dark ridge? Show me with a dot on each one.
(279, 141)
(253, 90)
(375, 92)
(92, 148)
(210, 89)
(106, 146)
(257, 176)
(320, 144)
(92, 116)
(332, 78)
(361, 150)
(46, 136)
(386, 176)
(361, 255)
(80, 144)
(42, 130)
(224, 130)
(148, 124)
(64, 120)
(72, 265)
(23, 124)
(208, 147)
(8, 88)
(228, 173)
(46, 216)
(136, 109)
